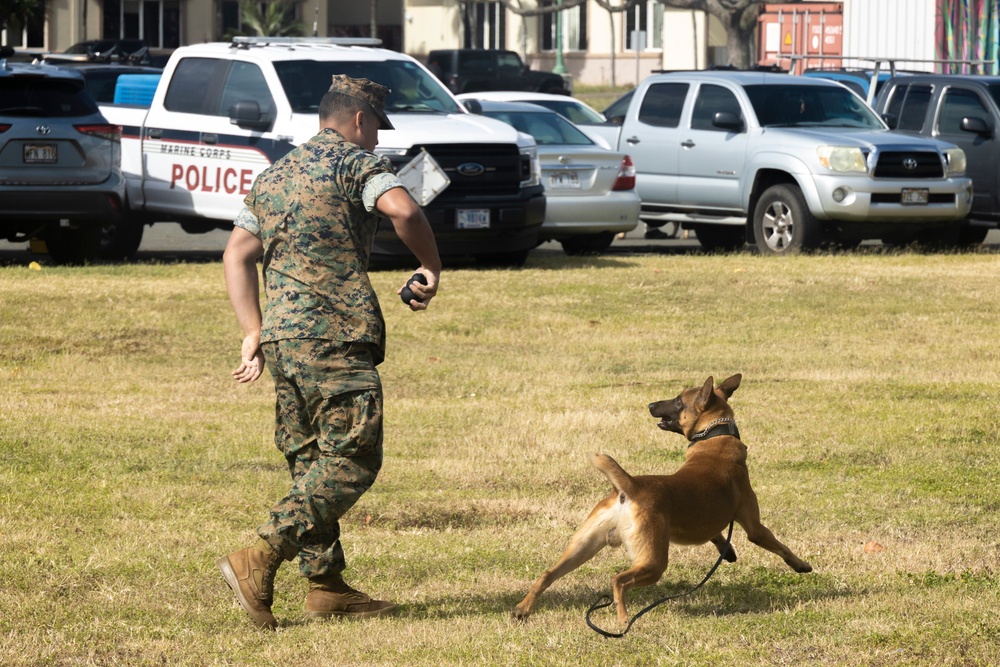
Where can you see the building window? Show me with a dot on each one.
(158, 22)
(574, 28)
(646, 16)
(485, 26)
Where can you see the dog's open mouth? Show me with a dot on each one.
(667, 424)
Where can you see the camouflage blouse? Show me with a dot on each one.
(314, 212)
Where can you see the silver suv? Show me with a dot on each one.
(60, 162)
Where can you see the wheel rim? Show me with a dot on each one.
(778, 226)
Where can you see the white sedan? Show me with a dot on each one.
(578, 113)
(589, 190)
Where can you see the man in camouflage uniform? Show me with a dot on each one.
(312, 216)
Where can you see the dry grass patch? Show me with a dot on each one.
(132, 461)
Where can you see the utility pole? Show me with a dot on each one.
(374, 19)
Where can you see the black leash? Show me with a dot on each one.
(607, 600)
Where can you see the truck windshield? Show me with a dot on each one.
(413, 89)
(810, 106)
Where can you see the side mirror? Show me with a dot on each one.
(976, 125)
(246, 114)
(473, 106)
(727, 120)
(891, 120)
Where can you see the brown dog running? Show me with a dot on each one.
(646, 513)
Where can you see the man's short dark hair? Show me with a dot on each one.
(338, 106)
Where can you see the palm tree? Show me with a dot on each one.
(18, 9)
(271, 19)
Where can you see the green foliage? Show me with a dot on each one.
(272, 18)
(131, 461)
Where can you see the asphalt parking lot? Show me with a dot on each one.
(167, 242)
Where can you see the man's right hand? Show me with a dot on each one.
(251, 360)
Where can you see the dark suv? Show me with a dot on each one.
(475, 70)
(60, 162)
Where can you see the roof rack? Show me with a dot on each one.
(241, 42)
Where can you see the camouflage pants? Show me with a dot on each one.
(328, 424)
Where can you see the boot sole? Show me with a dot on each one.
(262, 621)
(321, 615)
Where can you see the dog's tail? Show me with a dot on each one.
(621, 480)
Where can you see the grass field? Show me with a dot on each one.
(131, 461)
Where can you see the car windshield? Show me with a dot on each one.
(548, 129)
(412, 88)
(44, 98)
(779, 105)
(574, 111)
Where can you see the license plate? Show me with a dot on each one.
(914, 196)
(473, 218)
(563, 180)
(40, 153)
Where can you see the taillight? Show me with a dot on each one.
(109, 132)
(4, 127)
(626, 175)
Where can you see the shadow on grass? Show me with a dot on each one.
(716, 599)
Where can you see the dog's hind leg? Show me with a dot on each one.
(650, 549)
(598, 531)
(725, 550)
(748, 517)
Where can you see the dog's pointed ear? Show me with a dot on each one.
(730, 384)
(705, 394)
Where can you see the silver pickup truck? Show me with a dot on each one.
(787, 163)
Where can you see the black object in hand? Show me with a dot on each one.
(407, 294)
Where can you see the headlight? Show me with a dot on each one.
(531, 171)
(955, 157)
(842, 158)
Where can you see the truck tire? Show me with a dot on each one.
(783, 223)
(720, 238)
(73, 246)
(120, 240)
(588, 244)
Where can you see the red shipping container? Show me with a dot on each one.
(797, 36)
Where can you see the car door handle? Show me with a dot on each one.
(154, 133)
(687, 144)
(632, 140)
(210, 138)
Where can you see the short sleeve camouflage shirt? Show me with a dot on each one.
(317, 230)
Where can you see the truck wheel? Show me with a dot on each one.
(720, 238)
(588, 244)
(120, 240)
(73, 246)
(783, 224)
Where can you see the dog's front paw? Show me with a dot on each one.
(520, 615)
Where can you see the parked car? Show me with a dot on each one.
(589, 190)
(577, 112)
(473, 70)
(963, 110)
(102, 78)
(788, 163)
(858, 80)
(60, 162)
(135, 51)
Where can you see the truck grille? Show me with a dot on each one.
(504, 168)
(892, 164)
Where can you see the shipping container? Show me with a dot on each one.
(800, 35)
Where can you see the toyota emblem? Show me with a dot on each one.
(471, 169)
(43, 129)
(910, 163)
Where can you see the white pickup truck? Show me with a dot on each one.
(222, 112)
(784, 162)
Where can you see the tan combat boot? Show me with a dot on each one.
(330, 597)
(250, 573)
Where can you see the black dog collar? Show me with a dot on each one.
(725, 426)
